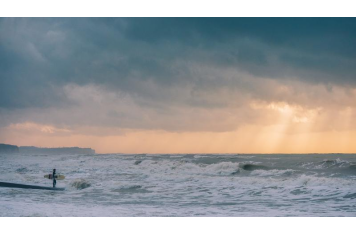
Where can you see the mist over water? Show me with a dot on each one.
(181, 185)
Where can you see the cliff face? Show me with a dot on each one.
(48, 151)
(6, 148)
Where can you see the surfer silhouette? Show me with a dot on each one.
(54, 178)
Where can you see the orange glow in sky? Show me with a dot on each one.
(294, 130)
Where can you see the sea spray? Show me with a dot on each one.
(182, 185)
(80, 184)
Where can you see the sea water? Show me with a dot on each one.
(181, 185)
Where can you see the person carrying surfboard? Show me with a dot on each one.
(49, 176)
(54, 178)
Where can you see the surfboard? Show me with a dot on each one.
(13, 185)
(58, 177)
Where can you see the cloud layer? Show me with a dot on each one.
(106, 77)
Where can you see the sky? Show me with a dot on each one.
(179, 85)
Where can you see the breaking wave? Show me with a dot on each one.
(223, 168)
(251, 167)
(80, 184)
(183, 185)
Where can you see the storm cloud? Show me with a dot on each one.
(173, 74)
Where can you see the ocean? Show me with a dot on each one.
(181, 185)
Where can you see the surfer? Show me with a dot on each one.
(50, 176)
(54, 178)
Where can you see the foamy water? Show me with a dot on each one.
(181, 185)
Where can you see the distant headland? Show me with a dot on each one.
(6, 148)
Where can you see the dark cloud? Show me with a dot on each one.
(40, 56)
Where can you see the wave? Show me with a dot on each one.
(245, 157)
(200, 156)
(330, 164)
(251, 167)
(188, 167)
(138, 162)
(223, 168)
(350, 195)
(80, 184)
(231, 168)
(352, 167)
(334, 163)
(131, 189)
(273, 172)
(22, 170)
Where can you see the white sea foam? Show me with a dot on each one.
(187, 185)
(272, 172)
(223, 168)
